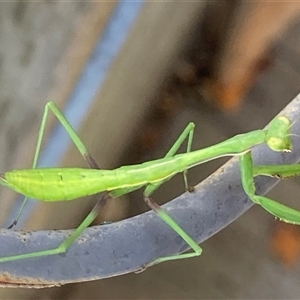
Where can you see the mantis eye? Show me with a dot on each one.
(279, 144)
(278, 136)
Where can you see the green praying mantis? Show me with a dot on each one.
(61, 184)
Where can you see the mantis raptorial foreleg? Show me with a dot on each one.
(283, 212)
(279, 171)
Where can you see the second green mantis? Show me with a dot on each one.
(60, 184)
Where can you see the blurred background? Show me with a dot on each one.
(130, 76)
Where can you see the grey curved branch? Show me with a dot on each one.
(123, 247)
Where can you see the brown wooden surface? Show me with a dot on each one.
(245, 48)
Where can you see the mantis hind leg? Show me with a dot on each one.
(280, 211)
(94, 212)
(51, 106)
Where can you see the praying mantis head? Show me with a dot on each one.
(278, 135)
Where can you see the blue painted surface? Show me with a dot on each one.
(89, 83)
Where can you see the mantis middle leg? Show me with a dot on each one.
(150, 188)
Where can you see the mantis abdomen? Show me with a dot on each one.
(53, 184)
